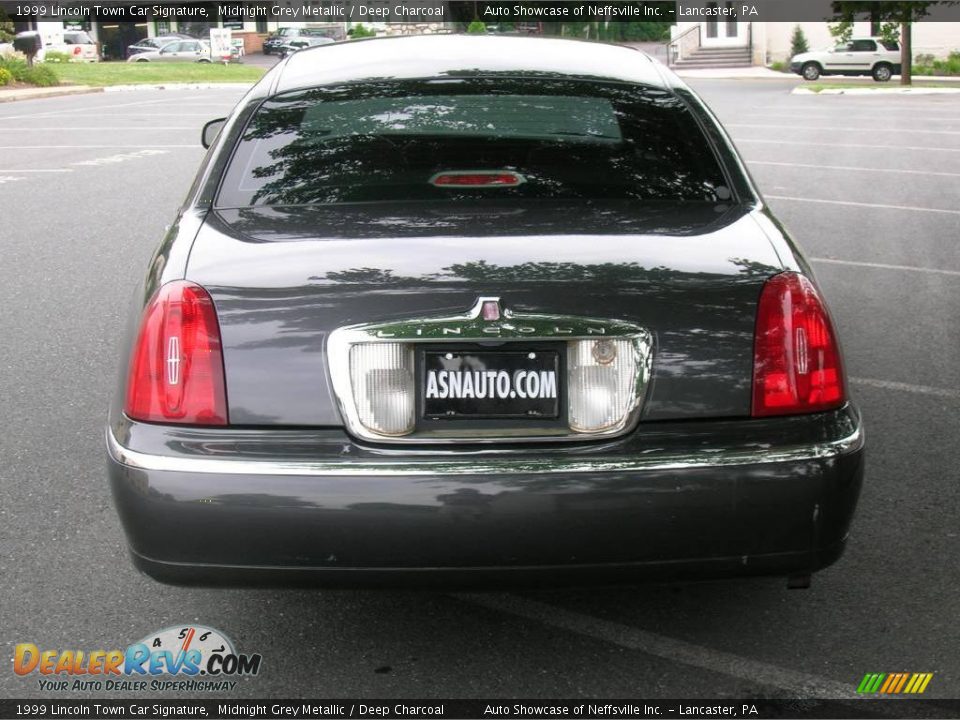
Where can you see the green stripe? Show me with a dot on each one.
(879, 681)
(863, 683)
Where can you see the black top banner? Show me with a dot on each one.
(463, 11)
(306, 709)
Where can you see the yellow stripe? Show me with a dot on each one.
(914, 682)
(886, 684)
(903, 679)
(926, 681)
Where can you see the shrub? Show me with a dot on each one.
(925, 64)
(41, 76)
(6, 77)
(53, 56)
(361, 31)
(798, 42)
(16, 66)
(779, 66)
(477, 27)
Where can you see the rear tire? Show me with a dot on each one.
(882, 72)
(203, 61)
(811, 71)
(141, 60)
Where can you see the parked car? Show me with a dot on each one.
(76, 43)
(176, 51)
(527, 323)
(151, 44)
(862, 56)
(285, 36)
(303, 42)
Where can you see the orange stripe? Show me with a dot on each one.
(903, 679)
(188, 639)
(886, 684)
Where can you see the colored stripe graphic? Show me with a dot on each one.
(871, 682)
(894, 683)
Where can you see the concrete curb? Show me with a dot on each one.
(178, 86)
(742, 73)
(40, 93)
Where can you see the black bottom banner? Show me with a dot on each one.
(453, 709)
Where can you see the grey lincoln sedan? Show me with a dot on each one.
(458, 310)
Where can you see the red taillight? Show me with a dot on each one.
(796, 358)
(176, 368)
(477, 178)
(77, 50)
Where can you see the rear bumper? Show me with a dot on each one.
(251, 507)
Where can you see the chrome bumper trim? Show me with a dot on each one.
(704, 458)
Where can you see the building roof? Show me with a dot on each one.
(431, 56)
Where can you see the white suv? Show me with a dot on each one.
(861, 56)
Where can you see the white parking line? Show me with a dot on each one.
(154, 115)
(834, 128)
(853, 168)
(121, 157)
(53, 113)
(97, 147)
(907, 387)
(102, 127)
(742, 140)
(878, 206)
(754, 672)
(798, 115)
(884, 266)
(57, 170)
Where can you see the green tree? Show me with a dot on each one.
(894, 18)
(361, 31)
(6, 27)
(798, 42)
(477, 27)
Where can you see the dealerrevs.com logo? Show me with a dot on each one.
(186, 658)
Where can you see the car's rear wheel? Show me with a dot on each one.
(141, 60)
(882, 72)
(811, 71)
(203, 60)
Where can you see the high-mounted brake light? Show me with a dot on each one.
(477, 178)
(176, 368)
(796, 358)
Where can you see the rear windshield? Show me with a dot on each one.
(452, 140)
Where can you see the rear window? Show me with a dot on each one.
(551, 139)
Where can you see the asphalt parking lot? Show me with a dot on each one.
(867, 185)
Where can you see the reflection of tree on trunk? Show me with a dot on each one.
(607, 276)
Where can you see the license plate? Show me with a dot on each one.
(490, 384)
